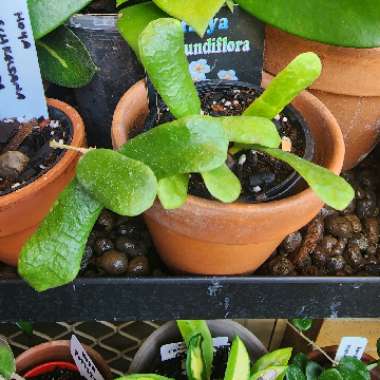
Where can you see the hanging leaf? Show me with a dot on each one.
(196, 13)
(189, 145)
(349, 23)
(238, 364)
(286, 85)
(295, 373)
(172, 191)
(7, 360)
(278, 357)
(123, 185)
(353, 369)
(47, 15)
(222, 184)
(331, 374)
(64, 60)
(330, 188)
(134, 19)
(313, 370)
(302, 324)
(162, 53)
(52, 256)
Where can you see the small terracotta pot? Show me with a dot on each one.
(50, 367)
(209, 237)
(58, 350)
(349, 86)
(331, 350)
(22, 210)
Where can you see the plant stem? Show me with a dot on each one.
(315, 346)
(57, 145)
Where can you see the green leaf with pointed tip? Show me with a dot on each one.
(353, 369)
(270, 373)
(47, 15)
(251, 130)
(287, 84)
(64, 60)
(189, 145)
(142, 376)
(196, 13)
(123, 185)
(295, 373)
(238, 365)
(134, 19)
(52, 255)
(330, 188)
(278, 357)
(222, 184)
(313, 370)
(172, 191)
(190, 328)
(195, 365)
(302, 324)
(7, 360)
(331, 374)
(161, 47)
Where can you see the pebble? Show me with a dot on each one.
(103, 245)
(139, 266)
(12, 163)
(113, 262)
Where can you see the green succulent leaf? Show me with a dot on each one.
(64, 60)
(195, 365)
(172, 191)
(123, 185)
(330, 188)
(196, 13)
(191, 328)
(163, 56)
(302, 324)
(47, 15)
(331, 374)
(134, 19)
(300, 360)
(295, 373)
(25, 327)
(278, 357)
(189, 145)
(52, 256)
(121, 2)
(238, 365)
(142, 376)
(313, 370)
(290, 82)
(353, 369)
(7, 360)
(222, 184)
(270, 373)
(358, 25)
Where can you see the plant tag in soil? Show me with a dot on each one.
(21, 90)
(351, 346)
(83, 361)
(173, 350)
(231, 49)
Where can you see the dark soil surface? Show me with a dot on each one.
(258, 172)
(25, 153)
(59, 374)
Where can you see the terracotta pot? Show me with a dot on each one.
(331, 350)
(209, 237)
(50, 367)
(349, 86)
(22, 210)
(147, 357)
(58, 350)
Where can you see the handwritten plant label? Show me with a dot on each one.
(351, 346)
(231, 49)
(21, 90)
(83, 361)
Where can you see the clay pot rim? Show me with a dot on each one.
(78, 139)
(194, 203)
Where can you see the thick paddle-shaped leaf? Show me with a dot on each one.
(345, 22)
(291, 81)
(238, 365)
(195, 365)
(191, 328)
(172, 191)
(123, 185)
(330, 188)
(52, 256)
(188, 145)
(7, 360)
(46, 15)
(270, 373)
(222, 184)
(134, 19)
(163, 56)
(196, 13)
(278, 357)
(64, 60)
(353, 369)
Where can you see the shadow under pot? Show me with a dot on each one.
(148, 358)
(263, 178)
(209, 237)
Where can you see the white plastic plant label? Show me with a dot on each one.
(172, 350)
(351, 346)
(21, 89)
(83, 361)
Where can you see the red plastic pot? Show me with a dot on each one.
(49, 367)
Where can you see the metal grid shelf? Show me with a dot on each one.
(123, 299)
